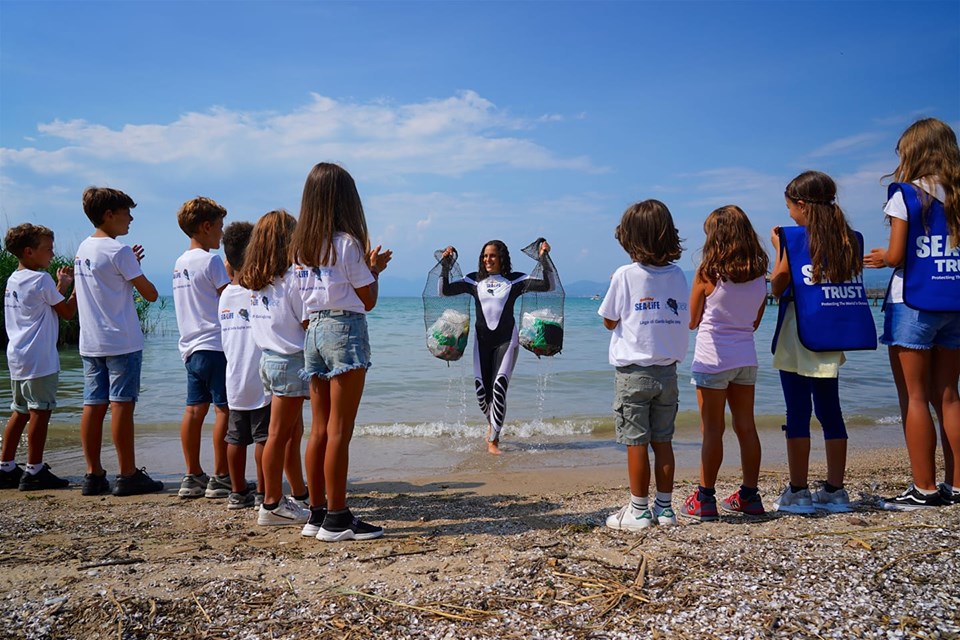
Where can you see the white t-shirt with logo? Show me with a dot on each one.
(245, 390)
(332, 287)
(197, 277)
(651, 305)
(276, 314)
(109, 325)
(32, 325)
(897, 208)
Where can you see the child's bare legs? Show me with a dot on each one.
(292, 465)
(221, 420)
(740, 398)
(237, 465)
(258, 461)
(345, 392)
(121, 427)
(12, 434)
(317, 444)
(798, 460)
(663, 465)
(37, 435)
(918, 429)
(283, 419)
(190, 430)
(712, 425)
(946, 371)
(91, 436)
(836, 454)
(638, 470)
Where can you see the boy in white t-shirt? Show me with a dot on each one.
(249, 402)
(106, 273)
(33, 304)
(198, 279)
(646, 308)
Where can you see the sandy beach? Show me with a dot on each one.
(482, 555)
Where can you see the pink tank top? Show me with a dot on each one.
(725, 336)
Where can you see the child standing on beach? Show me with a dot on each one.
(338, 272)
(32, 305)
(727, 300)
(276, 313)
(198, 278)
(111, 341)
(818, 264)
(646, 309)
(921, 323)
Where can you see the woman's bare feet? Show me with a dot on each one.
(493, 446)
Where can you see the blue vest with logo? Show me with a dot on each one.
(830, 316)
(931, 266)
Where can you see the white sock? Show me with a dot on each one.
(639, 504)
(664, 501)
(34, 469)
(8, 465)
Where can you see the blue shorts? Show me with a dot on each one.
(206, 378)
(645, 403)
(746, 376)
(36, 394)
(280, 373)
(914, 329)
(336, 342)
(111, 378)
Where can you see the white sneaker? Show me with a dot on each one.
(286, 513)
(794, 502)
(630, 520)
(665, 518)
(837, 502)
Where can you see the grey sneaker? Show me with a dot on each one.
(257, 499)
(837, 502)
(193, 486)
(286, 513)
(218, 487)
(794, 502)
(240, 500)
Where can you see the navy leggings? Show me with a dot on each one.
(804, 395)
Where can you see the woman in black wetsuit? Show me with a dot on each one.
(495, 288)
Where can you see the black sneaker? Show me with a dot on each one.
(949, 497)
(344, 526)
(312, 528)
(11, 479)
(136, 484)
(94, 485)
(43, 479)
(912, 500)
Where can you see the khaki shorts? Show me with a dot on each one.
(37, 394)
(645, 403)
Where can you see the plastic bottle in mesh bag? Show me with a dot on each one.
(446, 318)
(541, 312)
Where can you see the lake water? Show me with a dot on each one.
(419, 414)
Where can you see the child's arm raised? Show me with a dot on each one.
(698, 297)
(896, 248)
(143, 286)
(66, 308)
(377, 262)
(780, 278)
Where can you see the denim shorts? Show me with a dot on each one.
(206, 378)
(914, 329)
(247, 427)
(111, 378)
(37, 394)
(645, 403)
(280, 373)
(720, 380)
(336, 342)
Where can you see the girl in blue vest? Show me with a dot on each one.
(817, 275)
(921, 323)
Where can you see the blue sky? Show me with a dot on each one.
(464, 121)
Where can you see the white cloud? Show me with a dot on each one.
(846, 145)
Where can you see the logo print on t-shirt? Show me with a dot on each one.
(87, 262)
(186, 274)
(266, 302)
(673, 306)
(243, 313)
(15, 296)
(318, 272)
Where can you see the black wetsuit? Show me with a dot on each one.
(497, 341)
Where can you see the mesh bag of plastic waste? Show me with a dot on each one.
(447, 319)
(541, 312)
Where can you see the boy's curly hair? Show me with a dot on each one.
(195, 212)
(646, 232)
(235, 239)
(98, 200)
(25, 236)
